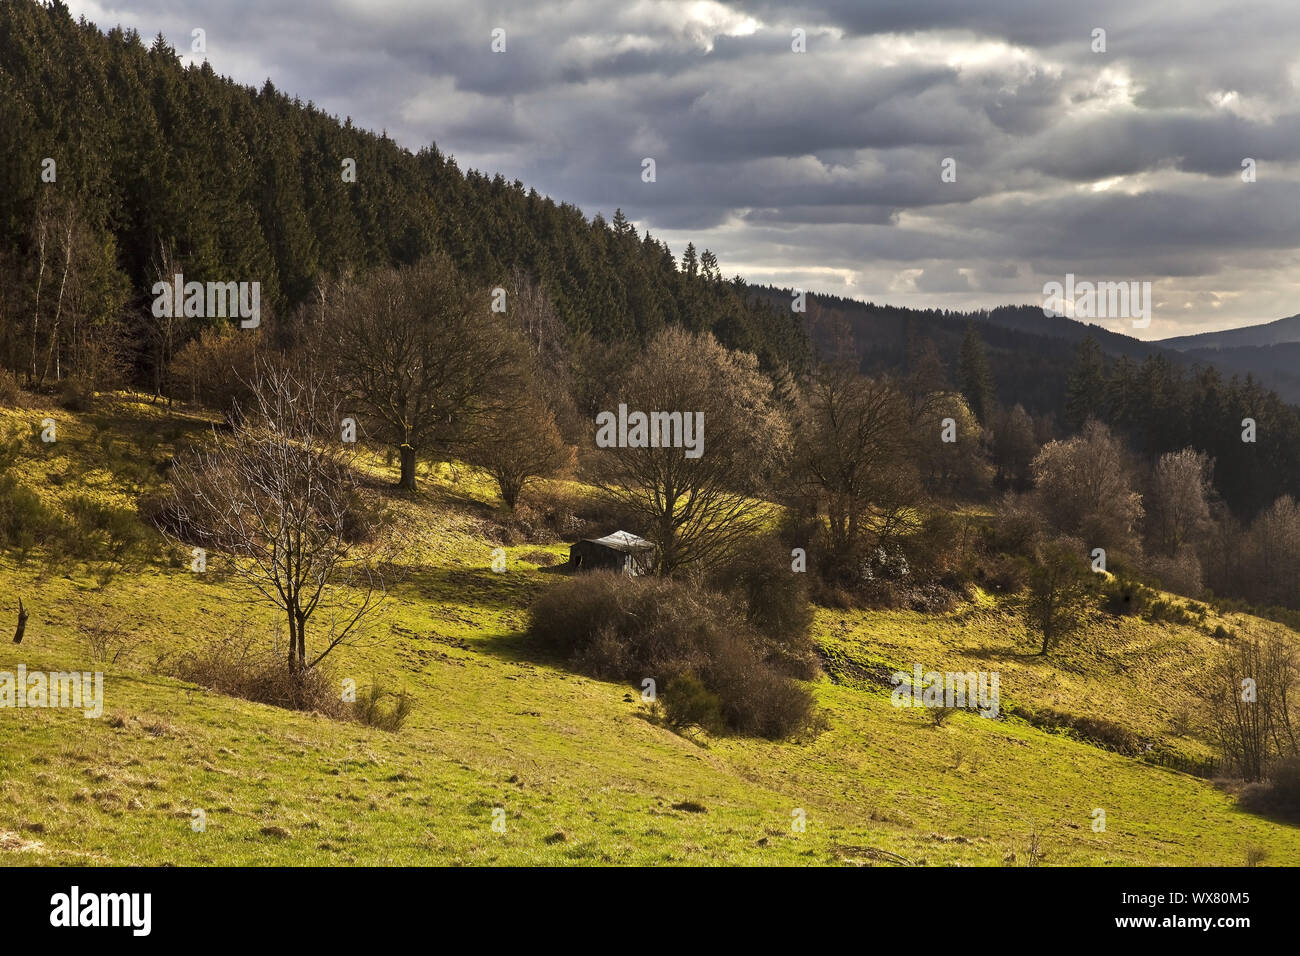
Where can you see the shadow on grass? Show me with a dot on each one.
(471, 587)
(518, 647)
(1271, 803)
(384, 479)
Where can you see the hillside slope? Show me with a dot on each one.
(582, 775)
(256, 185)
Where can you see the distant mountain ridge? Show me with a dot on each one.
(1280, 332)
(1032, 355)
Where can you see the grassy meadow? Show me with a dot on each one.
(582, 771)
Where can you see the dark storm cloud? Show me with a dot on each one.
(824, 167)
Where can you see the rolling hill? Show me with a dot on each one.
(580, 767)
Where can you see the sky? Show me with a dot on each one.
(825, 169)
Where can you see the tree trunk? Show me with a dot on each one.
(667, 547)
(407, 480)
(293, 645)
(510, 494)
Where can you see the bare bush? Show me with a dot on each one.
(382, 708)
(107, 640)
(217, 367)
(240, 665)
(773, 600)
(1180, 573)
(1251, 692)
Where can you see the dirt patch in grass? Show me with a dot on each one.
(12, 843)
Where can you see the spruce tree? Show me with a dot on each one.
(974, 376)
(1085, 390)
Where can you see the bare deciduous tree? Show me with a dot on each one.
(279, 496)
(423, 358)
(1178, 505)
(695, 508)
(1084, 487)
(1271, 560)
(522, 443)
(162, 331)
(76, 298)
(851, 458)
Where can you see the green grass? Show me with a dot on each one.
(582, 775)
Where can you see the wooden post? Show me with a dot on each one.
(22, 622)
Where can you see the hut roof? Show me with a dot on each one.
(623, 541)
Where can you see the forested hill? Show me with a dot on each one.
(248, 185)
(1066, 372)
(1030, 357)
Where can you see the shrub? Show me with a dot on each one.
(827, 594)
(1123, 596)
(620, 628)
(1280, 797)
(235, 665)
(939, 715)
(1096, 730)
(112, 537)
(25, 519)
(688, 703)
(1017, 527)
(936, 549)
(773, 599)
(1001, 574)
(757, 700)
(370, 708)
(106, 641)
(9, 394)
(1171, 611)
(77, 394)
